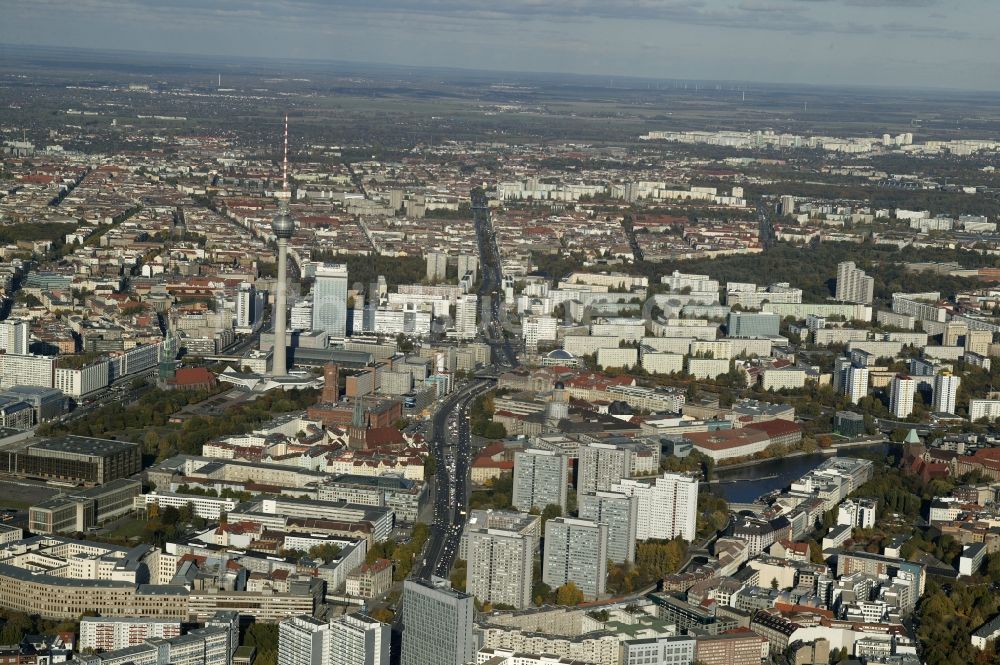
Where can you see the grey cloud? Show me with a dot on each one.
(925, 31)
(769, 15)
(873, 3)
(771, 39)
(751, 14)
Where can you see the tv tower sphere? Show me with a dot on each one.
(282, 224)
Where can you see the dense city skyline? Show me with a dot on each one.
(922, 44)
(317, 362)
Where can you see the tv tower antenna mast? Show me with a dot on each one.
(284, 163)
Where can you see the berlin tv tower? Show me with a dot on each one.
(283, 227)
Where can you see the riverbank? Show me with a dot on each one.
(826, 452)
(746, 481)
(722, 468)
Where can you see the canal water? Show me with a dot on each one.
(744, 485)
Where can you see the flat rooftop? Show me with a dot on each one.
(61, 500)
(34, 390)
(381, 482)
(6, 432)
(346, 359)
(82, 445)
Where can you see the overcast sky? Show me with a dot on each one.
(911, 43)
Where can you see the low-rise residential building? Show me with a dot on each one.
(206, 507)
(113, 633)
(204, 646)
(370, 580)
(987, 633)
(724, 444)
(403, 496)
(740, 647)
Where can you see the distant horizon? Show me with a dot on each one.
(907, 44)
(235, 59)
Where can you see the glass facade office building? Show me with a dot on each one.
(329, 312)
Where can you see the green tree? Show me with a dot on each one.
(569, 594)
(497, 494)
(481, 418)
(150, 442)
(459, 572)
(540, 591)
(17, 625)
(493, 430)
(658, 558)
(263, 636)
(993, 567)
(185, 513)
(550, 511)
(815, 552)
(170, 516)
(325, 551)
(403, 343)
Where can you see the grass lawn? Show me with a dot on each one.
(126, 529)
